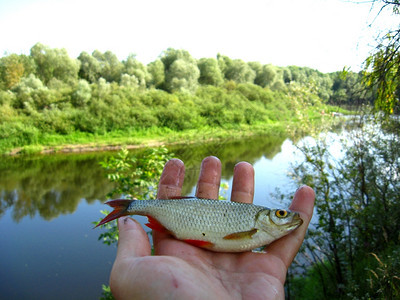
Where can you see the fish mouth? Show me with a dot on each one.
(296, 222)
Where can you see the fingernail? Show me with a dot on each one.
(210, 160)
(301, 187)
(175, 169)
(126, 220)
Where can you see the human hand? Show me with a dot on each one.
(181, 271)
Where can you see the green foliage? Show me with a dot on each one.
(54, 63)
(82, 94)
(266, 75)
(348, 89)
(239, 71)
(358, 212)
(181, 71)
(384, 280)
(210, 73)
(12, 69)
(382, 70)
(382, 67)
(89, 67)
(97, 94)
(110, 67)
(17, 133)
(157, 74)
(137, 70)
(106, 293)
(136, 176)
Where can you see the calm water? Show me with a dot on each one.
(48, 203)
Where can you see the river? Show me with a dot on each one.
(48, 203)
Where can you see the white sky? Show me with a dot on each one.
(322, 34)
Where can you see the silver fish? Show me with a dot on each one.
(216, 225)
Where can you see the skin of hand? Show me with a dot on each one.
(181, 271)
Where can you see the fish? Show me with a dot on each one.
(215, 225)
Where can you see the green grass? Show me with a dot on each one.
(26, 139)
(135, 138)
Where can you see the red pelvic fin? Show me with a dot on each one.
(241, 235)
(155, 225)
(199, 243)
(120, 209)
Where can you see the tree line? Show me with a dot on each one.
(48, 92)
(175, 70)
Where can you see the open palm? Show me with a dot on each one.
(181, 271)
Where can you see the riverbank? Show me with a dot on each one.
(79, 142)
(135, 139)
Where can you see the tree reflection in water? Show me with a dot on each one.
(50, 185)
(55, 184)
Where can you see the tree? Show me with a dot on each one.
(382, 68)
(348, 89)
(11, 70)
(135, 68)
(355, 191)
(13, 67)
(31, 94)
(170, 55)
(240, 72)
(157, 74)
(297, 74)
(266, 76)
(210, 73)
(181, 71)
(82, 94)
(287, 75)
(110, 67)
(54, 63)
(182, 76)
(90, 67)
(130, 81)
(223, 62)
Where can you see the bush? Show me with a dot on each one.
(17, 133)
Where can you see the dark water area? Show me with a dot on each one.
(48, 203)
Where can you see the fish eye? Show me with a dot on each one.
(281, 213)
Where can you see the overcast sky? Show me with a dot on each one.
(322, 34)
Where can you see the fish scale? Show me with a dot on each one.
(206, 214)
(216, 225)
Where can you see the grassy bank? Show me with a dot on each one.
(151, 137)
(156, 136)
(120, 116)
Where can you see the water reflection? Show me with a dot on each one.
(229, 152)
(50, 185)
(55, 184)
(65, 188)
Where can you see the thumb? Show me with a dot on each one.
(133, 240)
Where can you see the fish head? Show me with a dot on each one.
(278, 222)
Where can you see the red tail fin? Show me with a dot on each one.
(120, 209)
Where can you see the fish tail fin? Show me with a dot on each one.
(120, 209)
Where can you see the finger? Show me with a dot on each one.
(287, 247)
(209, 178)
(171, 180)
(133, 240)
(170, 185)
(243, 183)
